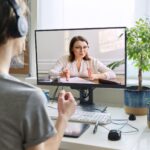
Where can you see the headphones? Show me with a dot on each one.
(19, 28)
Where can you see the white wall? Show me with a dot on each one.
(142, 9)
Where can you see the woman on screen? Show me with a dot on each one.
(80, 64)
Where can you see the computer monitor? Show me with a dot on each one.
(105, 45)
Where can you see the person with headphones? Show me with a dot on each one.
(24, 122)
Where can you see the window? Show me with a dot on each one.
(81, 13)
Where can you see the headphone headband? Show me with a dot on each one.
(15, 7)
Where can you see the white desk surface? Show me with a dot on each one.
(129, 141)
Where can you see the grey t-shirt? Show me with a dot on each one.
(23, 117)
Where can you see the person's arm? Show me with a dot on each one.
(58, 67)
(53, 143)
(101, 71)
(98, 76)
(66, 107)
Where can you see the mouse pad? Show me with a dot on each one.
(75, 129)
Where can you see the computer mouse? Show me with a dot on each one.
(114, 135)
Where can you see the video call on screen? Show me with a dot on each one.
(106, 44)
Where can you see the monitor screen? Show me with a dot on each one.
(81, 58)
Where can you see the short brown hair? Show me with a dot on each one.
(73, 40)
(7, 19)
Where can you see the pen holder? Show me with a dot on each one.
(148, 114)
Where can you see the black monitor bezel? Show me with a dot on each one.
(77, 85)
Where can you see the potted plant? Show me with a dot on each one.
(138, 50)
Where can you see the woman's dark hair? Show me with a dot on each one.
(73, 40)
(5, 16)
(8, 19)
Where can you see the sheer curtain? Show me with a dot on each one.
(85, 13)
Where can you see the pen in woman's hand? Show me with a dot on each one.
(89, 72)
(67, 74)
(95, 127)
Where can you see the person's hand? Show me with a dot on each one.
(65, 73)
(97, 76)
(93, 77)
(66, 104)
(89, 72)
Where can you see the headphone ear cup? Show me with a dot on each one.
(22, 26)
(18, 25)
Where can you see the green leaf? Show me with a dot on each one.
(138, 44)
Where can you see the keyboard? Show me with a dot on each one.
(84, 116)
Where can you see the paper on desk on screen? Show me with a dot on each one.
(76, 80)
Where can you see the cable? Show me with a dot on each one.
(121, 121)
(136, 129)
(124, 124)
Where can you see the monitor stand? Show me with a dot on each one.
(86, 100)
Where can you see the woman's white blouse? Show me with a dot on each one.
(94, 64)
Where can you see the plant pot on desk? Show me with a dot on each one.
(138, 47)
(135, 101)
